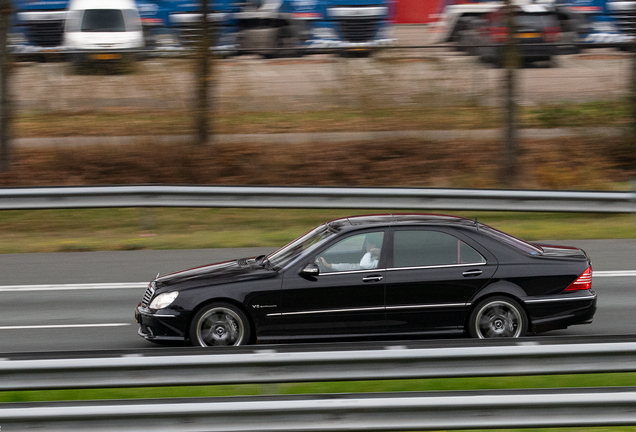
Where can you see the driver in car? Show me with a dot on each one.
(368, 261)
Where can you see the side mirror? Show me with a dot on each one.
(310, 270)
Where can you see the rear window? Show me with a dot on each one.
(431, 248)
(510, 240)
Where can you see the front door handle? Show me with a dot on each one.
(469, 273)
(372, 279)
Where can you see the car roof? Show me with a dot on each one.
(399, 219)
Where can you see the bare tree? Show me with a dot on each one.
(511, 59)
(203, 87)
(5, 100)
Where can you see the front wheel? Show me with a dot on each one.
(498, 317)
(219, 324)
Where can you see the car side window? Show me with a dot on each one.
(431, 248)
(357, 252)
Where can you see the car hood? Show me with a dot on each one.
(214, 274)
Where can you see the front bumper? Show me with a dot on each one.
(103, 55)
(165, 325)
(327, 44)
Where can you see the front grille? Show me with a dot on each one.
(625, 21)
(45, 33)
(189, 35)
(359, 29)
(150, 292)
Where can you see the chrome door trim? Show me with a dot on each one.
(436, 266)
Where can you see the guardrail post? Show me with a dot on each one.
(5, 100)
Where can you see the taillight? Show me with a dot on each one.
(552, 34)
(583, 282)
(498, 34)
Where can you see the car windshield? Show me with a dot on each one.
(291, 251)
(510, 240)
(103, 20)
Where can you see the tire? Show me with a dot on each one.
(219, 324)
(497, 317)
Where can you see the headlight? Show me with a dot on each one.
(164, 300)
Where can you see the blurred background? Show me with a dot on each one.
(319, 92)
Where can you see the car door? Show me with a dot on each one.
(431, 276)
(344, 300)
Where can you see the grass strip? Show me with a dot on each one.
(192, 228)
(436, 384)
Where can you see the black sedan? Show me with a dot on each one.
(379, 276)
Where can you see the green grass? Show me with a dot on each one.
(568, 114)
(437, 384)
(186, 228)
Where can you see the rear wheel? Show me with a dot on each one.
(220, 324)
(498, 317)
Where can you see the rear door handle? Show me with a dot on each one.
(372, 279)
(469, 273)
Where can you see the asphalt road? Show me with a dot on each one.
(57, 302)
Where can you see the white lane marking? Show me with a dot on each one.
(73, 287)
(62, 326)
(140, 285)
(619, 273)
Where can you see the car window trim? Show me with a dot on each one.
(377, 270)
(438, 266)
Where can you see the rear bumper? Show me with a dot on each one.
(527, 51)
(561, 312)
(538, 51)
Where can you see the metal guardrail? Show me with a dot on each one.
(316, 197)
(269, 366)
(371, 412)
(413, 411)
